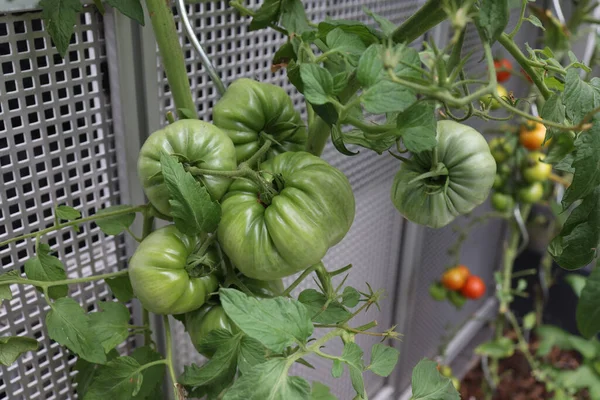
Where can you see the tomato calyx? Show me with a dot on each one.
(435, 178)
(198, 266)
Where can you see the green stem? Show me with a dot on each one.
(520, 21)
(366, 127)
(353, 330)
(259, 153)
(47, 284)
(456, 54)
(514, 50)
(428, 16)
(298, 280)
(171, 53)
(169, 357)
(325, 280)
(132, 209)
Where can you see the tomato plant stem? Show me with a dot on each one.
(428, 16)
(171, 54)
(299, 280)
(47, 284)
(515, 30)
(132, 209)
(169, 355)
(514, 50)
(256, 156)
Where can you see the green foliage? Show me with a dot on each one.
(130, 8)
(588, 312)
(428, 384)
(46, 267)
(500, 348)
(115, 224)
(11, 347)
(110, 324)
(492, 18)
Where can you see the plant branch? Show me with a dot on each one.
(132, 209)
(47, 284)
(513, 33)
(169, 358)
(299, 280)
(171, 54)
(428, 16)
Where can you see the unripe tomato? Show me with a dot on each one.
(456, 383)
(500, 149)
(474, 288)
(453, 279)
(531, 135)
(503, 63)
(491, 102)
(535, 170)
(463, 270)
(502, 202)
(504, 170)
(498, 182)
(531, 193)
(445, 370)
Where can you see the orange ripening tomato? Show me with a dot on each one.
(506, 67)
(473, 288)
(453, 279)
(463, 270)
(531, 135)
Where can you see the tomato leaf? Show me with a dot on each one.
(575, 246)
(321, 392)
(111, 324)
(153, 376)
(119, 379)
(551, 336)
(276, 323)
(269, 380)
(366, 34)
(535, 21)
(500, 348)
(587, 165)
(5, 290)
(352, 357)
(383, 359)
(220, 368)
(11, 347)
(492, 18)
(577, 282)
(457, 299)
(315, 304)
(68, 324)
(417, 126)
(580, 97)
(267, 14)
(348, 44)
(45, 267)
(117, 224)
(386, 26)
(350, 297)
(87, 372)
(60, 17)
(67, 213)
(387, 96)
(318, 83)
(428, 384)
(588, 308)
(121, 288)
(378, 145)
(337, 139)
(584, 377)
(129, 8)
(252, 352)
(293, 17)
(191, 206)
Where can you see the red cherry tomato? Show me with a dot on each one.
(474, 288)
(503, 68)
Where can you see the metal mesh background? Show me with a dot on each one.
(372, 243)
(56, 147)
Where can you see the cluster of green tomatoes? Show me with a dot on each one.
(522, 173)
(281, 208)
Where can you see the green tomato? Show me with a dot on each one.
(199, 323)
(502, 202)
(446, 371)
(491, 102)
(251, 112)
(535, 170)
(456, 383)
(531, 193)
(312, 210)
(194, 142)
(436, 201)
(498, 182)
(263, 289)
(500, 148)
(159, 276)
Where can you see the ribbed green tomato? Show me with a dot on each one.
(467, 173)
(251, 112)
(196, 143)
(159, 276)
(199, 323)
(312, 210)
(263, 289)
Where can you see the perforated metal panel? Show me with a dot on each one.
(56, 147)
(372, 244)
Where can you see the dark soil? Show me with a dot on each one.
(517, 383)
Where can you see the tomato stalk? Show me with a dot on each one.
(171, 54)
(428, 16)
(169, 357)
(299, 280)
